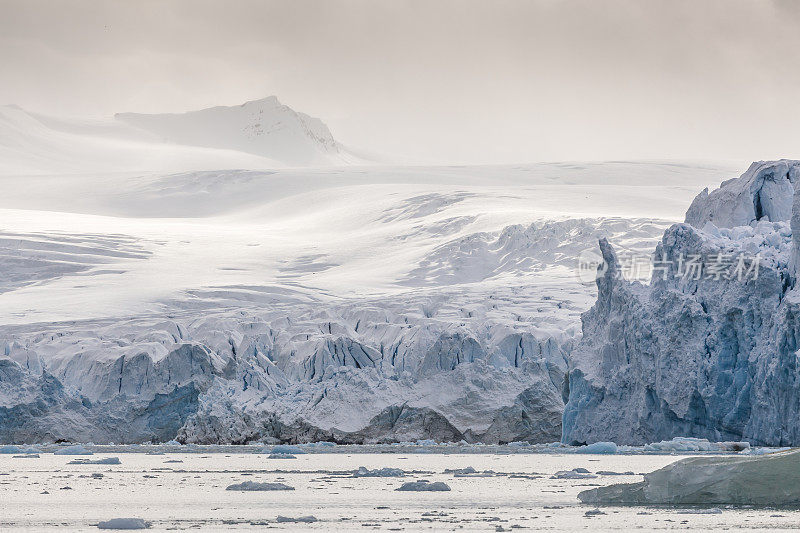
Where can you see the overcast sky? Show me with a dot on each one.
(450, 81)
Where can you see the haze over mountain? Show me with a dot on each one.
(258, 134)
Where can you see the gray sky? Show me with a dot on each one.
(450, 81)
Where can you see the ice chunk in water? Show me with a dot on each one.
(576, 473)
(424, 486)
(10, 449)
(378, 472)
(253, 486)
(124, 523)
(302, 519)
(289, 449)
(76, 449)
(104, 461)
(598, 448)
(772, 480)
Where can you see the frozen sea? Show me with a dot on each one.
(187, 491)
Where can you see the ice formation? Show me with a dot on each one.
(424, 486)
(124, 523)
(256, 486)
(75, 449)
(103, 461)
(378, 472)
(771, 480)
(308, 519)
(713, 355)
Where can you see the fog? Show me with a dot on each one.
(448, 81)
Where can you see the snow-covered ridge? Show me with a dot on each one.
(256, 135)
(707, 356)
(263, 127)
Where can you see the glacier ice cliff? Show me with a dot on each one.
(347, 375)
(713, 355)
(474, 347)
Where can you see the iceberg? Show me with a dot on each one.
(308, 519)
(104, 461)
(75, 449)
(256, 486)
(765, 480)
(605, 448)
(379, 472)
(124, 523)
(285, 449)
(10, 449)
(424, 486)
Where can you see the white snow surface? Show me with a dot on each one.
(338, 303)
(258, 134)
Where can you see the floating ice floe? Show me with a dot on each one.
(255, 486)
(281, 456)
(289, 449)
(575, 473)
(10, 449)
(598, 448)
(300, 519)
(691, 444)
(103, 461)
(424, 486)
(379, 472)
(467, 470)
(76, 449)
(771, 480)
(124, 523)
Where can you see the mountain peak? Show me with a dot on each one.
(263, 127)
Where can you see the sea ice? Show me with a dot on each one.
(301, 519)
(424, 486)
(9, 449)
(379, 472)
(769, 480)
(255, 486)
(289, 449)
(466, 470)
(104, 461)
(575, 473)
(598, 448)
(76, 449)
(124, 523)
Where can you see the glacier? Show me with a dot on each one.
(296, 294)
(711, 356)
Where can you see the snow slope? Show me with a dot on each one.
(256, 135)
(347, 303)
(263, 127)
